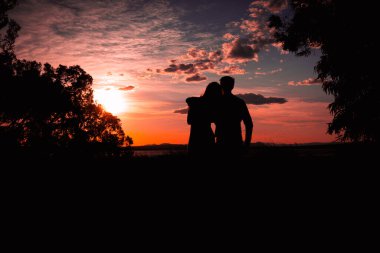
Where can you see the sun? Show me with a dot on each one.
(112, 100)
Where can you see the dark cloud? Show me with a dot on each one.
(109, 44)
(193, 64)
(257, 99)
(196, 78)
(127, 88)
(204, 64)
(240, 50)
(318, 99)
(249, 98)
(182, 111)
(62, 30)
(187, 68)
(69, 5)
(172, 68)
(179, 68)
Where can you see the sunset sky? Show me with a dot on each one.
(148, 56)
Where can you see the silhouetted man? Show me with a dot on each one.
(233, 110)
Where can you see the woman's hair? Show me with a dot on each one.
(213, 91)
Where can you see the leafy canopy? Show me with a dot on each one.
(345, 32)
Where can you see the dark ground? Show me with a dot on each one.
(317, 183)
(257, 158)
(336, 170)
(280, 156)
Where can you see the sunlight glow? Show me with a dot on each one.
(112, 100)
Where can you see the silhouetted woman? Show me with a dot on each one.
(202, 112)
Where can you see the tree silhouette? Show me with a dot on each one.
(48, 108)
(345, 33)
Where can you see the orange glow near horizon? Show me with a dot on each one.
(290, 123)
(112, 100)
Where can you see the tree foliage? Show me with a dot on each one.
(345, 32)
(43, 107)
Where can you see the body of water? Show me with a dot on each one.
(158, 152)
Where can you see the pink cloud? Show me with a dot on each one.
(119, 37)
(261, 73)
(228, 36)
(274, 6)
(198, 61)
(256, 28)
(127, 88)
(255, 35)
(232, 70)
(278, 46)
(255, 12)
(194, 53)
(307, 82)
(250, 25)
(215, 56)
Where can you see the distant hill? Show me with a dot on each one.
(259, 144)
(163, 146)
(168, 146)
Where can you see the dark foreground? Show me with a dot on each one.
(258, 157)
(267, 178)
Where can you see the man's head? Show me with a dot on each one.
(227, 83)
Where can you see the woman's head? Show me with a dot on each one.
(213, 91)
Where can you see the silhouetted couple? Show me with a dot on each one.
(218, 105)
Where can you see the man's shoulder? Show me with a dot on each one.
(237, 100)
